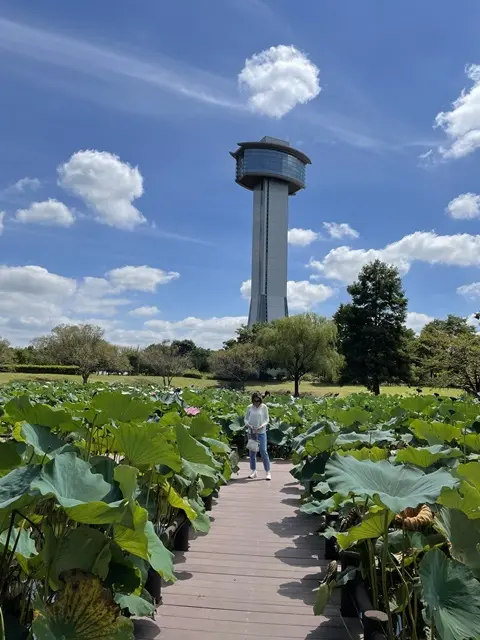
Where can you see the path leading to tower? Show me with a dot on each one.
(251, 577)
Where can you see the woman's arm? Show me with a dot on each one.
(266, 417)
(247, 417)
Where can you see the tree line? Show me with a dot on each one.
(366, 343)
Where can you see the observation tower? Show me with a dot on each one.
(273, 170)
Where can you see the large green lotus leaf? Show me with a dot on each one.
(133, 539)
(347, 417)
(122, 407)
(191, 449)
(466, 498)
(175, 500)
(365, 453)
(83, 548)
(15, 486)
(21, 409)
(202, 426)
(43, 441)
(463, 534)
(435, 432)
(145, 445)
(24, 545)
(472, 440)
(9, 457)
(374, 436)
(191, 470)
(217, 446)
(426, 456)
(135, 605)
(71, 481)
(371, 526)
(202, 521)
(320, 442)
(160, 558)
(395, 487)
(471, 473)
(319, 507)
(83, 610)
(416, 403)
(127, 479)
(451, 595)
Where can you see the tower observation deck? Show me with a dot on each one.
(273, 170)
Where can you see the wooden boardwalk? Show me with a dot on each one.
(251, 577)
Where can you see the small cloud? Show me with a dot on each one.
(417, 321)
(464, 207)
(144, 312)
(278, 79)
(23, 185)
(471, 291)
(50, 212)
(107, 185)
(339, 230)
(2, 217)
(302, 237)
(462, 123)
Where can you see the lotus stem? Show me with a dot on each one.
(386, 603)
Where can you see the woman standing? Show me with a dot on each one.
(256, 421)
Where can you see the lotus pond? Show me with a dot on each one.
(96, 482)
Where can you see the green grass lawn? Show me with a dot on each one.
(305, 387)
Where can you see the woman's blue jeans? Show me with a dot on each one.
(262, 442)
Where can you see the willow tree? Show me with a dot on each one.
(302, 344)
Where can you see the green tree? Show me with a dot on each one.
(373, 338)
(301, 344)
(241, 362)
(199, 357)
(81, 345)
(165, 360)
(7, 355)
(431, 354)
(244, 335)
(464, 362)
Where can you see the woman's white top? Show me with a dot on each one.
(257, 417)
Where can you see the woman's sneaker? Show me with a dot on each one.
(268, 476)
(253, 475)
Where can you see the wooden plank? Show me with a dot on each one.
(252, 577)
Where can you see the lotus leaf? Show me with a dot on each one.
(451, 595)
(394, 487)
(145, 445)
(83, 610)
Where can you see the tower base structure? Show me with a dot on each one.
(269, 251)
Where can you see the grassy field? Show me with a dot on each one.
(305, 387)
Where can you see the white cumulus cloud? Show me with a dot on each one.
(464, 207)
(344, 263)
(470, 290)
(417, 321)
(107, 185)
(206, 332)
(301, 295)
(462, 123)
(141, 278)
(301, 237)
(339, 230)
(278, 79)
(145, 312)
(50, 212)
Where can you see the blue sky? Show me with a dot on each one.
(117, 189)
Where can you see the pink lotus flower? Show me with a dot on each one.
(192, 411)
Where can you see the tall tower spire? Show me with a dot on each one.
(273, 170)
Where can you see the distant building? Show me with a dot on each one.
(273, 170)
